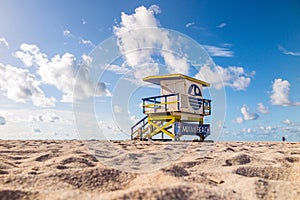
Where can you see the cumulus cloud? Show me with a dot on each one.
(219, 77)
(117, 69)
(2, 121)
(87, 60)
(286, 52)
(47, 118)
(262, 109)
(68, 33)
(62, 72)
(137, 46)
(133, 118)
(222, 25)
(288, 122)
(3, 41)
(280, 93)
(218, 51)
(246, 130)
(247, 115)
(189, 24)
(267, 129)
(238, 120)
(86, 42)
(30, 54)
(117, 109)
(131, 35)
(111, 126)
(21, 86)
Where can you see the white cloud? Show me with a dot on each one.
(189, 24)
(219, 77)
(21, 124)
(261, 108)
(30, 54)
(83, 21)
(155, 9)
(2, 121)
(280, 93)
(68, 33)
(62, 72)
(218, 51)
(239, 120)
(45, 117)
(87, 59)
(133, 118)
(283, 50)
(222, 25)
(117, 109)
(21, 86)
(86, 42)
(36, 130)
(3, 41)
(109, 127)
(247, 115)
(267, 129)
(288, 122)
(131, 35)
(117, 69)
(246, 130)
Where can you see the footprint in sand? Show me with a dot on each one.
(75, 162)
(2, 172)
(268, 173)
(240, 159)
(16, 194)
(45, 157)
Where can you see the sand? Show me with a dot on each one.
(149, 170)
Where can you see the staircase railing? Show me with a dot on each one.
(138, 128)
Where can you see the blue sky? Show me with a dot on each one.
(254, 44)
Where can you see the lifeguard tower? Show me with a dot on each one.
(178, 111)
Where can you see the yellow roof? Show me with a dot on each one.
(156, 79)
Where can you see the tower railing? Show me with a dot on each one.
(161, 102)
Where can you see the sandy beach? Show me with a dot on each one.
(53, 169)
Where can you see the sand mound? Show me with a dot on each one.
(292, 159)
(270, 173)
(97, 179)
(75, 162)
(240, 159)
(176, 171)
(45, 157)
(16, 194)
(179, 192)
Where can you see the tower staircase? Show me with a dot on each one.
(145, 129)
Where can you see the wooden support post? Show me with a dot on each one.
(141, 134)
